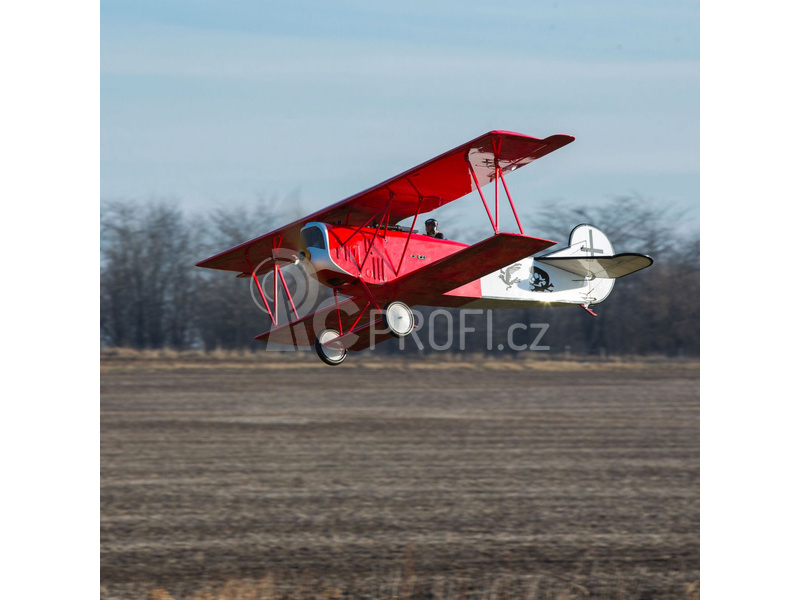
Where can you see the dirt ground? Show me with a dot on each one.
(402, 479)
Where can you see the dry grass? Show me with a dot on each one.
(405, 586)
(127, 358)
(402, 481)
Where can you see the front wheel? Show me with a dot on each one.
(398, 319)
(331, 354)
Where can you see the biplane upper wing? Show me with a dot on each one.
(424, 188)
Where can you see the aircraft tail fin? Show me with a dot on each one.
(590, 254)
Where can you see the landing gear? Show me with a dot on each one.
(398, 319)
(333, 354)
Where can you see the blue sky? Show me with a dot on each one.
(218, 102)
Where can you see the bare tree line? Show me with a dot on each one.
(152, 295)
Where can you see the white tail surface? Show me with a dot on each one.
(582, 273)
(585, 241)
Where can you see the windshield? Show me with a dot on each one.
(313, 238)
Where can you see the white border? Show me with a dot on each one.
(50, 440)
(749, 448)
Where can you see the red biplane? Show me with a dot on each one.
(356, 248)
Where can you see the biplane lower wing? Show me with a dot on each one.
(606, 267)
(303, 332)
(425, 285)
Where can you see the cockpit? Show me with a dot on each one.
(317, 251)
(315, 236)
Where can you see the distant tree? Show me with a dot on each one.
(654, 311)
(146, 282)
(152, 295)
(229, 317)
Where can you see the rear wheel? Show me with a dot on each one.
(331, 354)
(398, 319)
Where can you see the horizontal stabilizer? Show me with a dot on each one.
(605, 267)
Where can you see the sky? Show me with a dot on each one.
(214, 103)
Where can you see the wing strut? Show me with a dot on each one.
(364, 224)
(480, 191)
(374, 235)
(338, 314)
(408, 239)
(276, 275)
(496, 148)
(261, 292)
(370, 300)
(286, 289)
(498, 177)
(510, 201)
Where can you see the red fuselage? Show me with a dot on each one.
(341, 254)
